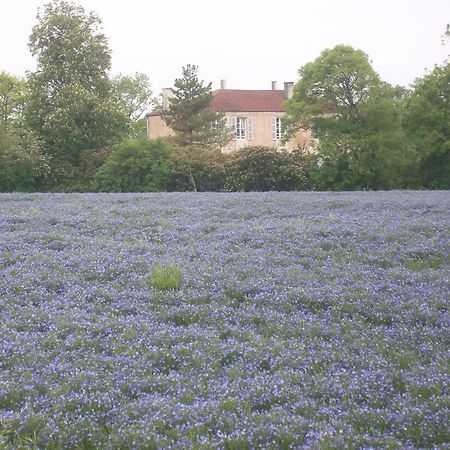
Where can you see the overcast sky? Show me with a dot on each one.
(248, 43)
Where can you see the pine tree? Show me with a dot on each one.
(188, 115)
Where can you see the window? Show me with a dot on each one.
(242, 128)
(276, 128)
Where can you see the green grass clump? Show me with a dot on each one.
(164, 278)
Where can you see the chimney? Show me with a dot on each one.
(274, 85)
(166, 95)
(223, 84)
(288, 89)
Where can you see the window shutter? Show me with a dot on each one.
(274, 128)
(233, 127)
(250, 128)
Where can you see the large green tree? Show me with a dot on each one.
(71, 103)
(188, 114)
(354, 119)
(427, 121)
(335, 85)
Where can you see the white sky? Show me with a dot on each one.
(248, 43)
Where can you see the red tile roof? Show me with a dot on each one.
(235, 100)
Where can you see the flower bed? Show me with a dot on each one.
(302, 320)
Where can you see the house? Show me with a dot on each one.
(253, 117)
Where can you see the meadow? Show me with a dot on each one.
(297, 320)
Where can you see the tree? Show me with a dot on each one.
(427, 122)
(71, 105)
(135, 165)
(334, 86)
(23, 165)
(354, 118)
(12, 98)
(369, 154)
(134, 94)
(188, 115)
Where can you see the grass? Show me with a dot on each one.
(165, 277)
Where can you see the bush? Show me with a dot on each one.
(196, 169)
(266, 169)
(22, 164)
(135, 165)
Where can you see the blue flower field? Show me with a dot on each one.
(295, 320)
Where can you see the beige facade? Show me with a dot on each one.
(157, 128)
(259, 129)
(260, 125)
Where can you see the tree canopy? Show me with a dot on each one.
(337, 83)
(427, 121)
(134, 94)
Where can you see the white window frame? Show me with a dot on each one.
(242, 128)
(276, 129)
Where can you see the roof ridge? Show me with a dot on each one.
(248, 90)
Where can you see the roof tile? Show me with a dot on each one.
(236, 100)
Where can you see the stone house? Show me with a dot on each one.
(252, 116)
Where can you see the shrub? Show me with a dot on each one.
(135, 165)
(266, 169)
(165, 278)
(196, 169)
(22, 164)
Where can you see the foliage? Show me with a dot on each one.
(165, 278)
(134, 94)
(266, 169)
(334, 85)
(70, 49)
(22, 164)
(138, 129)
(12, 98)
(196, 169)
(427, 121)
(370, 153)
(135, 165)
(71, 104)
(355, 120)
(188, 114)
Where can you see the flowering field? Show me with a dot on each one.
(303, 320)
